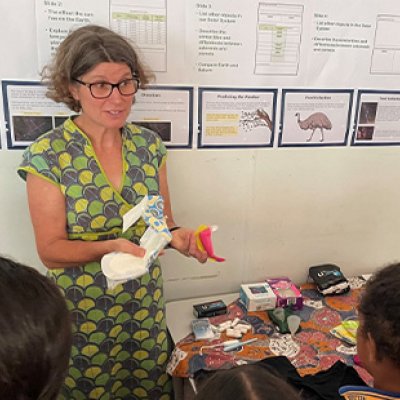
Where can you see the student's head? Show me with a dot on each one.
(81, 51)
(35, 334)
(246, 382)
(378, 337)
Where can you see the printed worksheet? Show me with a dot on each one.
(56, 18)
(279, 28)
(315, 117)
(234, 117)
(145, 23)
(29, 113)
(377, 118)
(167, 111)
(386, 51)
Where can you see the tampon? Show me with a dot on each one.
(233, 333)
(240, 344)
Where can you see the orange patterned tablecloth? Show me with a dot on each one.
(313, 349)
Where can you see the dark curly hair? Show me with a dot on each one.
(380, 309)
(35, 334)
(80, 52)
(246, 382)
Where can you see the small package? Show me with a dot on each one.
(329, 279)
(257, 296)
(202, 329)
(209, 309)
(287, 293)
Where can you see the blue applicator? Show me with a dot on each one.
(234, 346)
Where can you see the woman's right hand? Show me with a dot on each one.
(125, 246)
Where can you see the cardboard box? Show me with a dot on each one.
(287, 293)
(257, 296)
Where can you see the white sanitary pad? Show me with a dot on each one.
(121, 267)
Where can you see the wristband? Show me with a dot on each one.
(174, 228)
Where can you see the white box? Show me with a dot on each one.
(257, 296)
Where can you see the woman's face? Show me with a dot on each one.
(108, 113)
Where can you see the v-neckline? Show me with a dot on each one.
(117, 191)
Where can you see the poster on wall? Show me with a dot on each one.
(377, 118)
(385, 58)
(29, 113)
(142, 22)
(236, 117)
(315, 117)
(168, 111)
(145, 24)
(255, 43)
(56, 18)
(314, 43)
(279, 28)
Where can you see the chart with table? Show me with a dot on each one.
(279, 28)
(145, 23)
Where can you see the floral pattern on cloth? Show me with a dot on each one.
(312, 350)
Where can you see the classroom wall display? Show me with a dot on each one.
(29, 113)
(145, 22)
(55, 18)
(315, 42)
(311, 45)
(236, 117)
(315, 117)
(377, 118)
(167, 110)
(385, 59)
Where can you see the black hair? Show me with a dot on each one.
(380, 310)
(35, 334)
(246, 382)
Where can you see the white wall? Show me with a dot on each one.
(283, 210)
(279, 211)
(16, 233)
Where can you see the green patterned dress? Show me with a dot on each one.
(120, 347)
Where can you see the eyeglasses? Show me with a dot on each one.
(102, 90)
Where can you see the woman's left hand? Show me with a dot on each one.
(184, 240)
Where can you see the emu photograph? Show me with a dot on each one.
(315, 118)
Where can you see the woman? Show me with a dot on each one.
(82, 177)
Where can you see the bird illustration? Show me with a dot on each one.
(263, 115)
(315, 121)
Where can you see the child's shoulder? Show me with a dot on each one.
(366, 393)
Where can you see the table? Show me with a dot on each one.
(180, 313)
(179, 318)
(313, 349)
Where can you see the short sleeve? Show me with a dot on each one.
(40, 159)
(162, 152)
